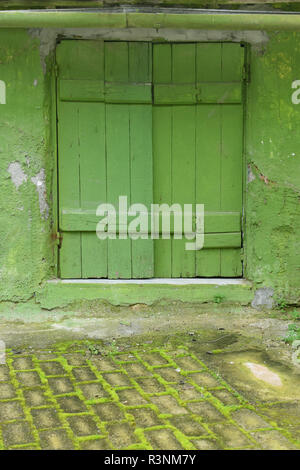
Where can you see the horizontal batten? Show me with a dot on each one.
(210, 92)
(86, 221)
(220, 93)
(128, 93)
(81, 90)
(100, 91)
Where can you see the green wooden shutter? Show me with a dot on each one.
(197, 145)
(105, 150)
(171, 135)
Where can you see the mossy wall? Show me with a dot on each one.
(272, 146)
(27, 167)
(26, 163)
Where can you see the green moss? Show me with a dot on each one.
(168, 352)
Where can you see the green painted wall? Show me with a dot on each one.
(272, 241)
(25, 161)
(272, 252)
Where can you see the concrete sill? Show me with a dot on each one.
(162, 281)
(59, 293)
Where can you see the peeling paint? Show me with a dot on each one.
(40, 182)
(18, 176)
(2, 92)
(251, 175)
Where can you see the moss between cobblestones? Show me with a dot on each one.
(174, 423)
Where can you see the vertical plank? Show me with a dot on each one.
(231, 263)
(183, 154)
(116, 61)
(183, 182)
(139, 56)
(162, 155)
(162, 181)
(231, 179)
(141, 162)
(232, 149)
(118, 155)
(208, 62)
(208, 176)
(162, 63)
(118, 183)
(141, 183)
(183, 63)
(92, 184)
(232, 62)
(69, 189)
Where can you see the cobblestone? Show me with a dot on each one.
(145, 398)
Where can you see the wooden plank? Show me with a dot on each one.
(80, 59)
(118, 155)
(73, 220)
(233, 58)
(208, 62)
(208, 175)
(183, 63)
(231, 263)
(116, 62)
(232, 162)
(183, 150)
(81, 90)
(141, 166)
(141, 161)
(232, 177)
(85, 220)
(183, 182)
(93, 91)
(209, 92)
(222, 222)
(175, 94)
(162, 60)
(70, 256)
(69, 192)
(118, 183)
(222, 240)
(140, 62)
(128, 93)
(221, 93)
(91, 137)
(162, 182)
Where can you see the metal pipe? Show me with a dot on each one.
(151, 18)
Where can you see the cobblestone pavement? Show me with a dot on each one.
(80, 396)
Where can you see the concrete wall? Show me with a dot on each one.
(27, 164)
(272, 253)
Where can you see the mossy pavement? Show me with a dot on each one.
(142, 395)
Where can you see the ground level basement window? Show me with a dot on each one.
(157, 124)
